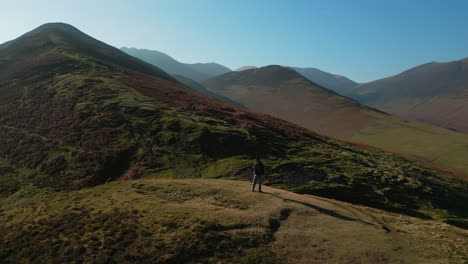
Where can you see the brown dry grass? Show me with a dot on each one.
(216, 221)
(327, 231)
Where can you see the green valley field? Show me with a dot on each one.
(431, 145)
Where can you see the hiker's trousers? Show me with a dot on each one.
(257, 178)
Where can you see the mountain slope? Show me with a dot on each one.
(196, 71)
(4, 45)
(337, 83)
(284, 93)
(86, 130)
(435, 93)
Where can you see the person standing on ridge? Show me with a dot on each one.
(258, 172)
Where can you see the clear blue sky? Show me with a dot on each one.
(361, 39)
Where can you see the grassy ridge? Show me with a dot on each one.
(139, 221)
(211, 221)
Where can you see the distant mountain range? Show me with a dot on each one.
(435, 93)
(200, 72)
(196, 71)
(284, 93)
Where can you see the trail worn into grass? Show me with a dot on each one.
(321, 230)
(325, 231)
(349, 208)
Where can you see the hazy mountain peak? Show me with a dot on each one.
(57, 26)
(64, 30)
(58, 37)
(270, 75)
(53, 28)
(195, 71)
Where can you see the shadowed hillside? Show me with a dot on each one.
(77, 116)
(435, 93)
(198, 87)
(196, 71)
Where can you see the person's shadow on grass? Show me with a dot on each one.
(321, 210)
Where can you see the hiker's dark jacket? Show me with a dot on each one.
(258, 168)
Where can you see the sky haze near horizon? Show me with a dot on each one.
(363, 40)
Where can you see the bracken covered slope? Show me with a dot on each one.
(75, 112)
